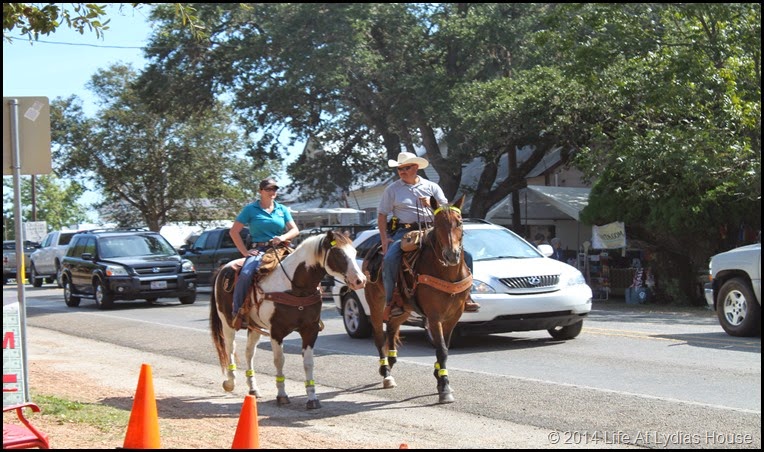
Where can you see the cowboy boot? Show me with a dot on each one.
(241, 319)
(471, 306)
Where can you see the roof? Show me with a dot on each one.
(539, 202)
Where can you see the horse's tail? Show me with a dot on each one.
(216, 325)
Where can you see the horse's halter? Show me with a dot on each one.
(451, 213)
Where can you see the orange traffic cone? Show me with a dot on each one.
(247, 434)
(143, 428)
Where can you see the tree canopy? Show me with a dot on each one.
(153, 169)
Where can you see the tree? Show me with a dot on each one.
(57, 201)
(149, 166)
(660, 102)
(682, 144)
(33, 20)
(366, 80)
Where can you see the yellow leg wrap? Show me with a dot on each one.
(383, 362)
(392, 353)
(232, 367)
(442, 372)
(437, 365)
(250, 373)
(280, 379)
(310, 383)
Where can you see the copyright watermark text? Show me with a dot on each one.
(664, 439)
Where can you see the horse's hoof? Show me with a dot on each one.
(313, 404)
(446, 397)
(256, 393)
(282, 400)
(228, 386)
(388, 383)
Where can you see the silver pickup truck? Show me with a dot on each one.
(45, 263)
(9, 258)
(735, 289)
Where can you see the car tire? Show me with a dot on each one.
(34, 278)
(563, 333)
(103, 298)
(357, 324)
(738, 311)
(71, 300)
(188, 299)
(59, 275)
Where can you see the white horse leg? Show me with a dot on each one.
(310, 384)
(252, 338)
(229, 334)
(278, 360)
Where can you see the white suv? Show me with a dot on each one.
(735, 289)
(46, 262)
(518, 288)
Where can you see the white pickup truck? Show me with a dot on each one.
(735, 289)
(46, 262)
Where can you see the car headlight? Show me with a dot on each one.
(187, 266)
(573, 279)
(116, 270)
(481, 287)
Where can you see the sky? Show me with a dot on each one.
(61, 64)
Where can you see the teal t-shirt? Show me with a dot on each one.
(262, 225)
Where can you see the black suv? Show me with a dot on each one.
(109, 265)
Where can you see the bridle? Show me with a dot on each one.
(450, 212)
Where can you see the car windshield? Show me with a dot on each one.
(134, 245)
(495, 243)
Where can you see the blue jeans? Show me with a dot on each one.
(392, 263)
(248, 269)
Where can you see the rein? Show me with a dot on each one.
(442, 285)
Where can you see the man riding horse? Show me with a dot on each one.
(407, 200)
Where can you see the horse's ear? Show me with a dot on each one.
(459, 202)
(433, 203)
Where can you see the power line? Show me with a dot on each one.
(78, 44)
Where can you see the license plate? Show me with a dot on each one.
(158, 284)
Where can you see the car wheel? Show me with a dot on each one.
(356, 323)
(103, 298)
(33, 277)
(189, 299)
(71, 300)
(59, 275)
(566, 332)
(738, 311)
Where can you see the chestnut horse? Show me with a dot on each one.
(283, 301)
(436, 286)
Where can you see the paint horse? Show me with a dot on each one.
(285, 300)
(435, 282)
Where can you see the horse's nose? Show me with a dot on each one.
(358, 283)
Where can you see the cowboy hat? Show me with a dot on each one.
(407, 158)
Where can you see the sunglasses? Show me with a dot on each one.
(273, 189)
(406, 168)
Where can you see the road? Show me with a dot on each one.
(632, 378)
